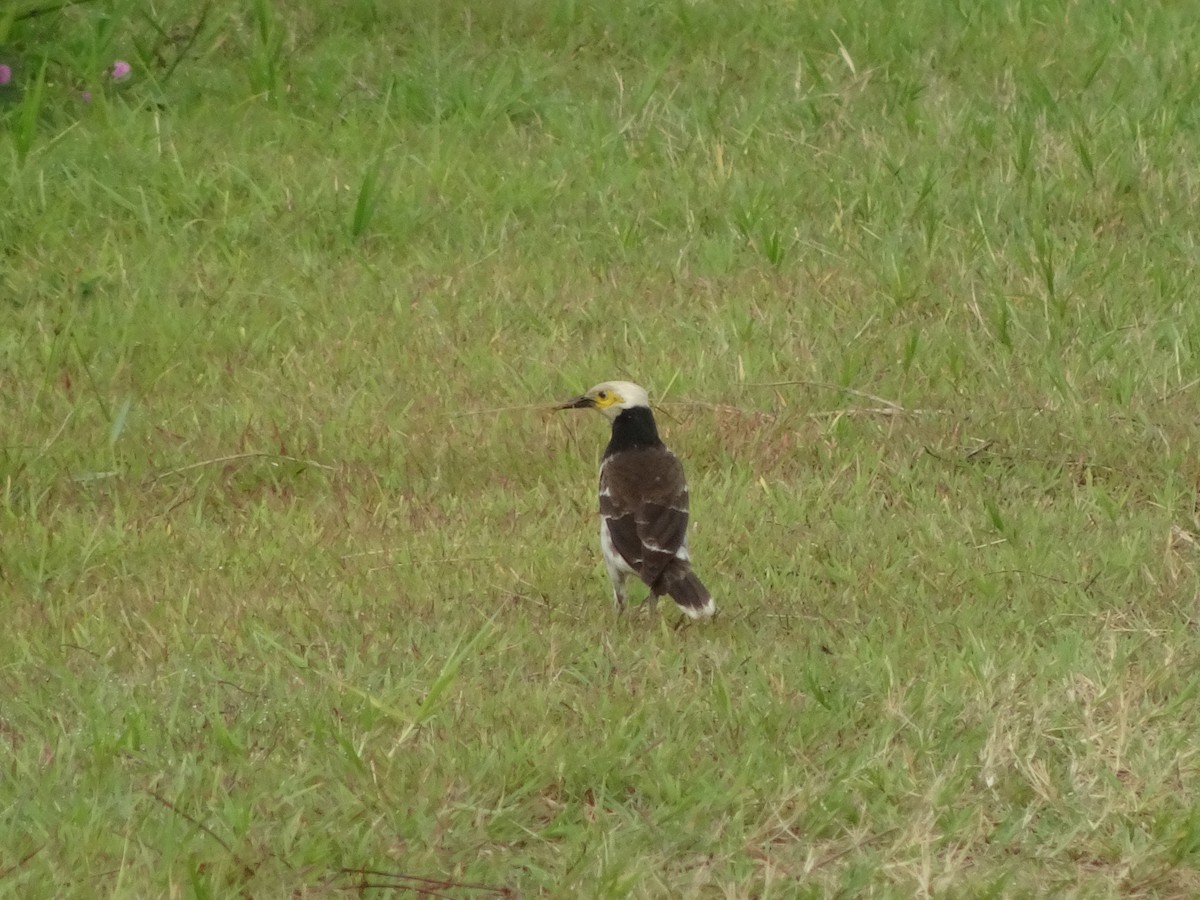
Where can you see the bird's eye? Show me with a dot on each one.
(602, 395)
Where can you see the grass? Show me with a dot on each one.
(299, 574)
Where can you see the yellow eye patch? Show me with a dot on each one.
(607, 398)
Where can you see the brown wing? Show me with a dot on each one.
(644, 500)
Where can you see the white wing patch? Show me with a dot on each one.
(613, 560)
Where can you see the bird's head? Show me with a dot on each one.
(611, 398)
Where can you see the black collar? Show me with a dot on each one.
(633, 428)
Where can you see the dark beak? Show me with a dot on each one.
(584, 402)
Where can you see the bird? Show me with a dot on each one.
(643, 503)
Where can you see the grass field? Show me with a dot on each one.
(299, 573)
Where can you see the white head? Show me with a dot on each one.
(610, 398)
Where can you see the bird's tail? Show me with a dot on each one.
(689, 594)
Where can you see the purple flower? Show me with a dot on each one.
(5, 74)
(86, 96)
(121, 70)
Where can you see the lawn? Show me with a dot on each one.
(299, 568)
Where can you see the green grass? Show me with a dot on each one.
(299, 574)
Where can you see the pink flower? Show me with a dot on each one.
(5, 74)
(86, 96)
(121, 70)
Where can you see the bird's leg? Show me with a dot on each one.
(618, 586)
(650, 604)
